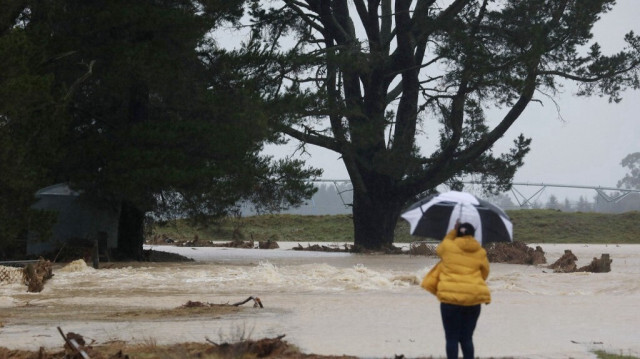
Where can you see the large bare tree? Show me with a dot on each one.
(369, 79)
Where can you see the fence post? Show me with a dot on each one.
(96, 254)
(605, 263)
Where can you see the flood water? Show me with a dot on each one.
(338, 303)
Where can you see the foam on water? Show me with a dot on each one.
(78, 265)
(264, 276)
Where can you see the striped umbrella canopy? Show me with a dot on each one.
(436, 215)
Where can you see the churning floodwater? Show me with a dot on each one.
(339, 303)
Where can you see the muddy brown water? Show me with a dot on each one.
(331, 303)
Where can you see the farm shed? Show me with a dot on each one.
(80, 222)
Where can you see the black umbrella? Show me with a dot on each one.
(435, 215)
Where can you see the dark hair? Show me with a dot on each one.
(466, 229)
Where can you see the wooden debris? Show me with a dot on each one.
(35, 275)
(268, 244)
(196, 304)
(256, 302)
(567, 264)
(602, 265)
(515, 253)
(74, 343)
(323, 248)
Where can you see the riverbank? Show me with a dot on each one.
(269, 348)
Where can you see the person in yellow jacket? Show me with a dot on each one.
(458, 281)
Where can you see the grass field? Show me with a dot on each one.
(530, 226)
(604, 355)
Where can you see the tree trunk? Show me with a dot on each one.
(130, 232)
(375, 215)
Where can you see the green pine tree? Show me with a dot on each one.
(151, 123)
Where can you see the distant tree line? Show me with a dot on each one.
(628, 203)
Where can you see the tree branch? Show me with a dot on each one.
(338, 32)
(404, 133)
(310, 136)
(295, 6)
(633, 65)
(370, 28)
(385, 24)
(487, 141)
(456, 115)
(423, 31)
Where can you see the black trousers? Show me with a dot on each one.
(459, 323)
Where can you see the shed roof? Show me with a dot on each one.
(60, 189)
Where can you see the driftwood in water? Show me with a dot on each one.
(195, 304)
(602, 265)
(567, 264)
(256, 302)
(35, 275)
(515, 253)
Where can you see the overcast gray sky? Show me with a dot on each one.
(581, 143)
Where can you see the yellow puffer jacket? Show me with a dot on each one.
(460, 276)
